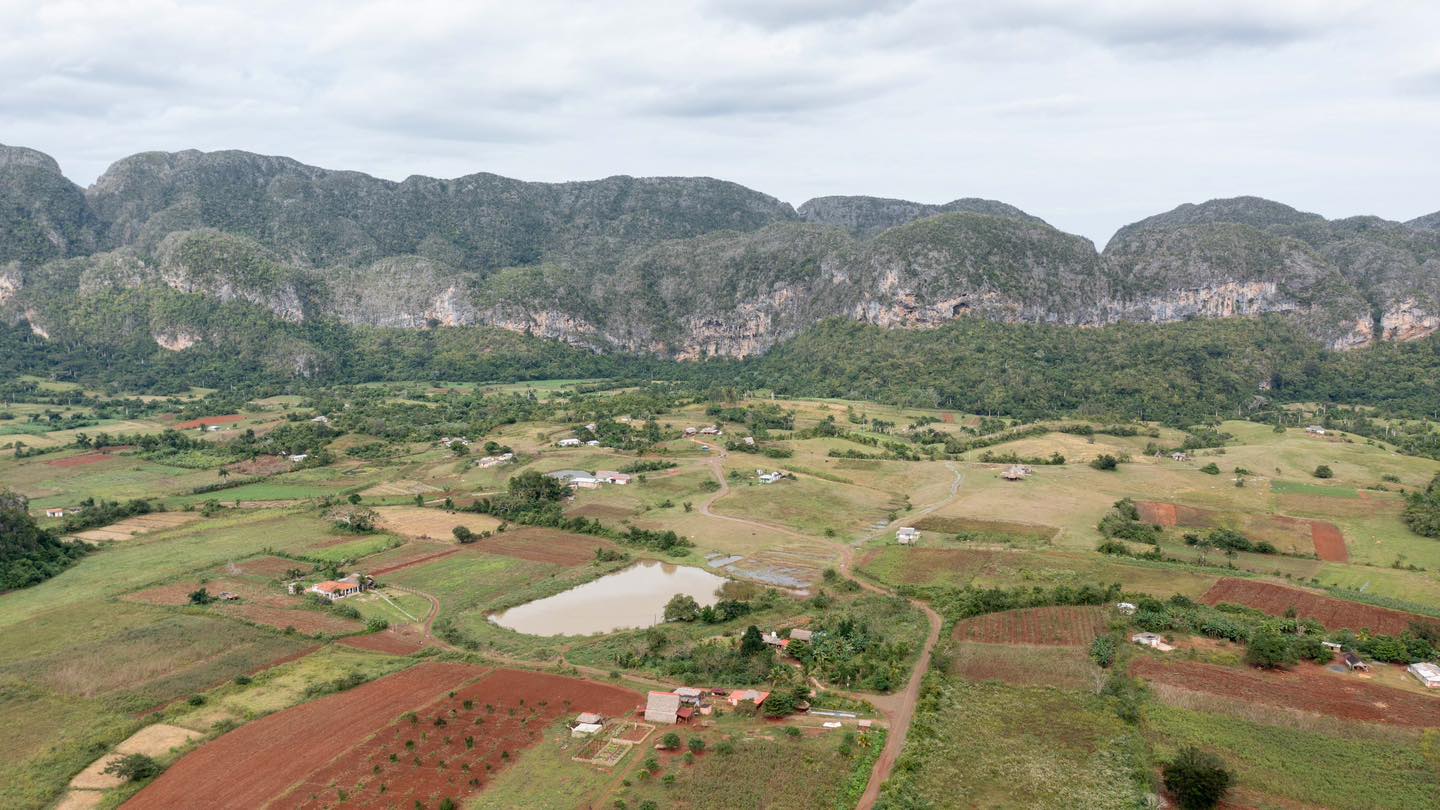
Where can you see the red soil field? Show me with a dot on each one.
(1058, 626)
(410, 555)
(305, 622)
(178, 593)
(389, 642)
(1308, 687)
(1335, 614)
(544, 545)
(209, 420)
(1329, 542)
(81, 461)
(305, 756)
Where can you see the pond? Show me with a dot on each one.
(634, 597)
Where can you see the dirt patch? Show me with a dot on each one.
(389, 642)
(956, 525)
(305, 622)
(140, 524)
(1159, 514)
(178, 593)
(1308, 688)
(419, 523)
(1335, 614)
(260, 465)
(544, 545)
(281, 761)
(229, 419)
(1329, 542)
(153, 741)
(81, 460)
(1051, 626)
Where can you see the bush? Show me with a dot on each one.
(1198, 780)
(1105, 461)
(377, 624)
(1323, 471)
(696, 745)
(463, 534)
(1102, 651)
(1211, 469)
(670, 741)
(133, 767)
(1270, 650)
(201, 597)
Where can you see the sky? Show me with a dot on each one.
(1089, 114)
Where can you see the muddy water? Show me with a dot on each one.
(634, 597)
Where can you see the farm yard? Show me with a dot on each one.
(1333, 613)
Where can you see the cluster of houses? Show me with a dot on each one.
(683, 704)
(580, 479)
(494, 461)
(574, 442)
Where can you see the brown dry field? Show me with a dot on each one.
(407, 556)
(389, 642)
(306, 622)
(1307, 687)
(302, 756)
(1335, 614)
(1051, 626)
(419, 523)
(178, 593)
(80, 461)
(140, 524)
(260, 465)
(1289, 534)
(955, 525)
(1063, 667)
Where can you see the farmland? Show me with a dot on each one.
(1011, 688)
(490, 716)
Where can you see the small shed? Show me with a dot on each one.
(572, 442)
(1152, 640)
(584, 729)
(588, 717)
(1179, 456)
(1126, 608)
(612, 477)
(754, 695)
(1015, 472)
(689, 695)
(801, 634)
(1426, 673)
(907, 535)
(54, 513)
(1355, 664)
(662, 707)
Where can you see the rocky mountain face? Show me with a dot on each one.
(679, 267)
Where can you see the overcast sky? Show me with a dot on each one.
(1089, 114)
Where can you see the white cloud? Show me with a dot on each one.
(1090, 113)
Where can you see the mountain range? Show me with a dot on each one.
(676, 267)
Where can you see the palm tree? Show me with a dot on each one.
(224, 473)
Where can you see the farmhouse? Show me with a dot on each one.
(801, 634)
(1179, 456)
(1017, 472)
(1355, 664)
(1426, 673)
(749, 441)
(612, 477)
(1126, 608)
(593, 443)
(322, 419)
(769, 477)
(1315, 430)
(578, 479)
(571, 442)
(54, 513)
(689, 431)
(1151, 640)
(662, 707)
(741, 695)
(713, 430)
(298, 457)
(907, 535)
(774, 640)
(333, 590)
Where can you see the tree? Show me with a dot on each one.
(696, 745)
(1198, 780)
(1102, 651)
(463, 534)
(682, 608)
(201, 597)
(224, 473)
(1323, 471)
(751, 643)
(354, 498)
(1270, 650)
(1211, 469)
(670, 741)
(133, 767)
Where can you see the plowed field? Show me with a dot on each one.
(359, 749)
(1307, 688)
(229, 419)
(1058, 626)
(1289, 534)
(1335, 614)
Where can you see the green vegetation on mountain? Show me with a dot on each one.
(28, 553)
